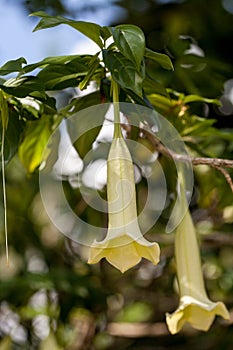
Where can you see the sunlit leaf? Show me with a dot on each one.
(66, 71)
(58, 60)
(161, 102)
(12, 66)
(29, 86)
(29, 107)
(91, 30)
(197, 98)
(23, 86)
(130, 40)
(93, 65)
(34, 142)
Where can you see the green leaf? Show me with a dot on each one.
(27, 108)
(124, 72)
(66, 71)
(160, 102)
(29, 86)
(200, 127)
(160, 58)
(34, 143)
(91, 30)
(105, 32)
(93, 65)
(130, 40)
(58, 60)
(197, 98)
(4, 115)
(23, 86)
(12, 66)
(58, 77)
(12, 135)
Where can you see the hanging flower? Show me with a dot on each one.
(124, 245)
(195, 307)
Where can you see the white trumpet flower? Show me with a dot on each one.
(195, 307)
(124, 245)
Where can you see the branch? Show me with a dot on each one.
(217, 163)
(227, 176)
(214, 162)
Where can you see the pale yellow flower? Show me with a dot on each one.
(124, 245)
(195, 307)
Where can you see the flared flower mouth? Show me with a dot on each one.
(123, 252)
(200, 315)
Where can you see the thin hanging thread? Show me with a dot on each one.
(4, 194)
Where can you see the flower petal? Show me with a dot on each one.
(199, 315)
(123, 252)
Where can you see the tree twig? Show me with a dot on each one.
(217, 163)
(227, 176)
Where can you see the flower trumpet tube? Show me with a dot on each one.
(195, 307)
(124, 245)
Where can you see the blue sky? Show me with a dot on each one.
(18, 40)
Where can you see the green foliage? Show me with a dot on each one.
(12, 66)
(123, 71)
(33, 150)
(4, 114)
(12, 135)
(91, 30)
(159, 58)
(24, 86)
(130, 41)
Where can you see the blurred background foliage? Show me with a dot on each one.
(50, 298)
